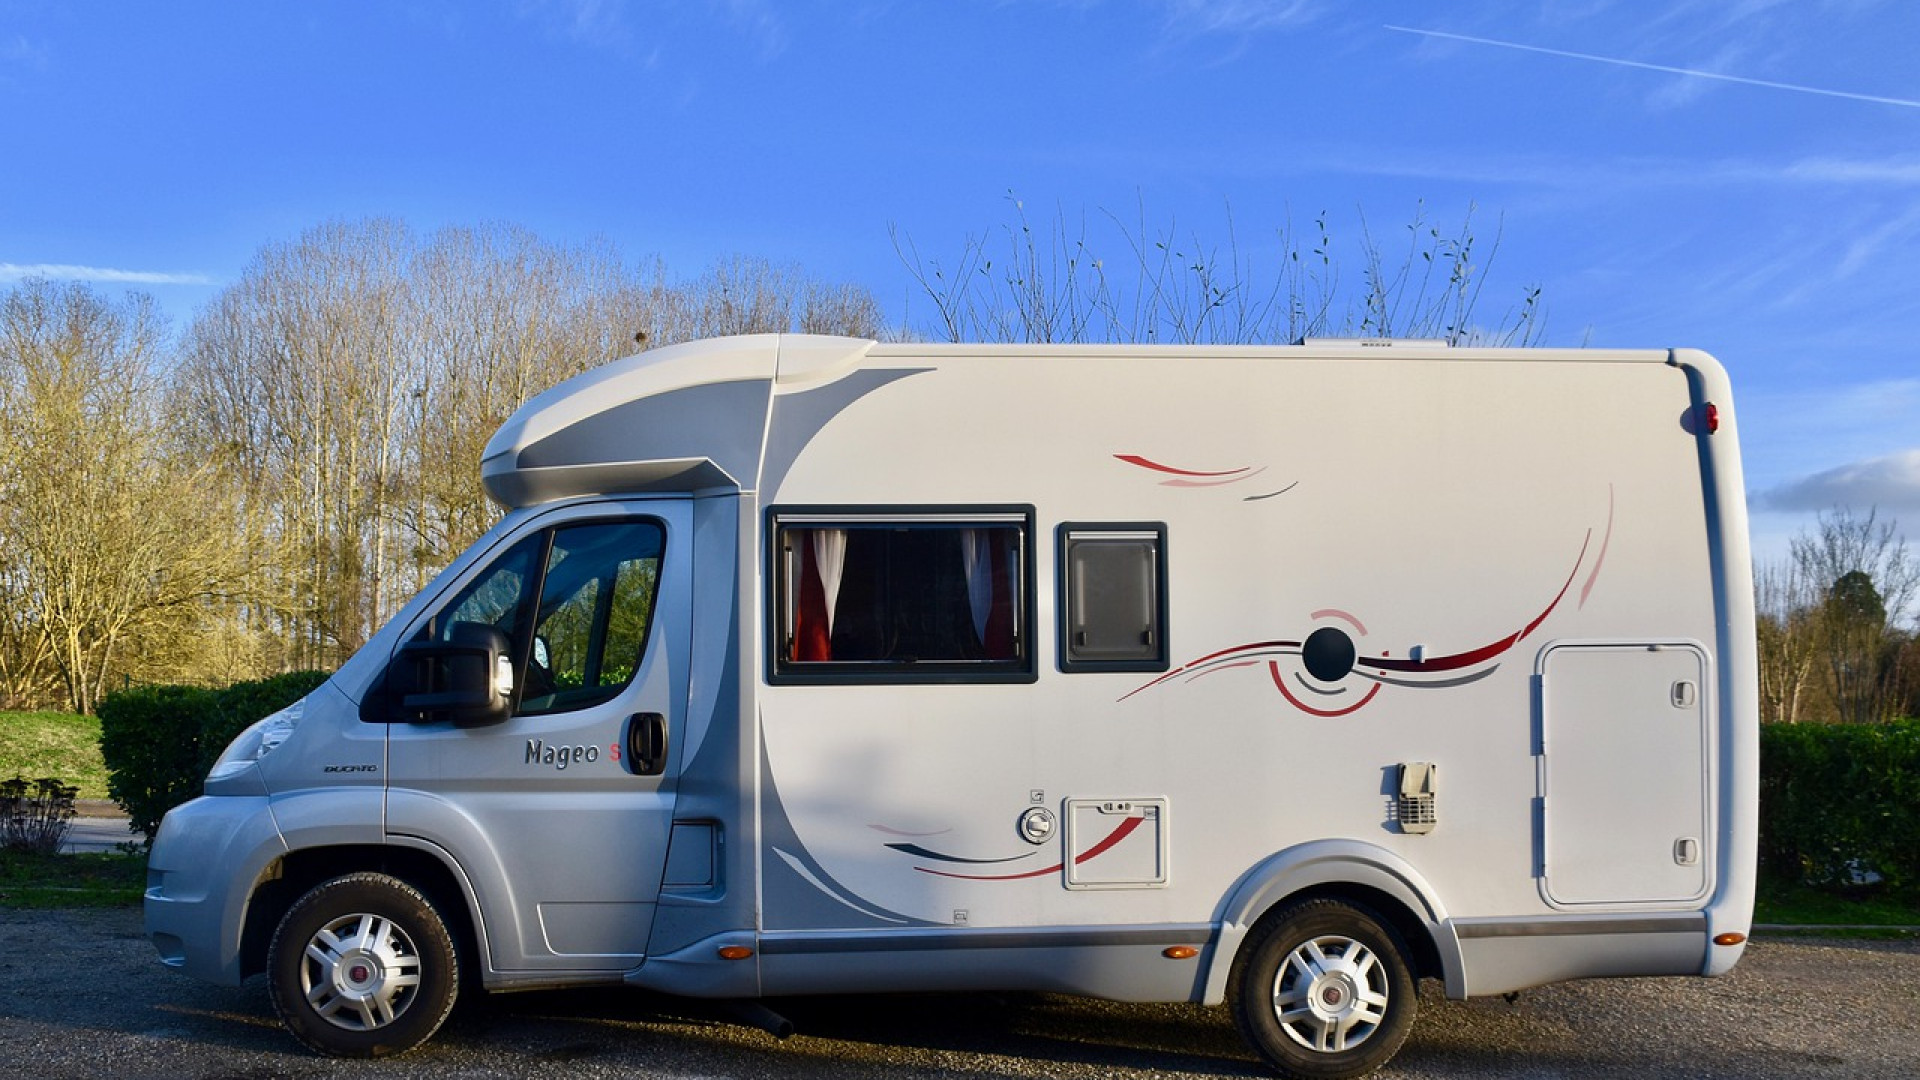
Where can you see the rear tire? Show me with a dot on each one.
(1323, 991)
(363, 966)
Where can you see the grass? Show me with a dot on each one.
(1800, 905)
(60, 745)
(67, 747)
(117, 879)
(91, 880)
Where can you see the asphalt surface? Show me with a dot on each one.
(99, 827)
(82, 996)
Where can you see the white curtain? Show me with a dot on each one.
(830, 558)
(976, 557)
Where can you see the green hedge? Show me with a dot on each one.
(1839, 801)
(159, 741)
(1836, 800)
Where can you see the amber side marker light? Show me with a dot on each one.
(735, 952)
(1179, 952)
(1729, 939)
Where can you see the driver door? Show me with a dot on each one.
(559, 815)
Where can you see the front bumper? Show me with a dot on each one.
(206, 859)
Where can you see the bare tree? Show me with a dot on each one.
(1791, 665)
(349, 381)
(746, 295)
(1161, 283)
(103, 522)
(500, 315)
(1907, 676)
(297, 378)
(848, 310)
(1867, 583)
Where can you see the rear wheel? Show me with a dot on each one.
(363, 966)
(1323, 991)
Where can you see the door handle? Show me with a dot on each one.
(647, 743)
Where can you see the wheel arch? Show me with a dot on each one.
(293, 874)
(1363, 875)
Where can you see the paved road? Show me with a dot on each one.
(81, 996)
(99, 830)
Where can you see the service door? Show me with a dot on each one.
(559, 816)
(1626, 787)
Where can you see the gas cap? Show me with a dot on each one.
(1036, 825)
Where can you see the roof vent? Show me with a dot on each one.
(1375, 343)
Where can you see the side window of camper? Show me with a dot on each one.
(1113, 597)
(575, 603)
(912, 596)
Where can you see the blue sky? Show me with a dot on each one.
(1736, 175)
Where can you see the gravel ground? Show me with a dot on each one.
(82, 996)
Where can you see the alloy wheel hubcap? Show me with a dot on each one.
(1330, 994)
(360, 972)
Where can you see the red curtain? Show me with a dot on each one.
(812, 636)
(997, 640)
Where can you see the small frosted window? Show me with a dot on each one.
(1113, 599)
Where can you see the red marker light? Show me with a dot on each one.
(1710, 416)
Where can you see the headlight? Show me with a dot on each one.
(257, 741)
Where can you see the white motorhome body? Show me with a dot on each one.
(1153, 673)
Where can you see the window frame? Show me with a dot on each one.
(1064, 536)
(541, 538)
(779, 586)
(601, 618)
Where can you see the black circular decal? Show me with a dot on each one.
(1328, 654)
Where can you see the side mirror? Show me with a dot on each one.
(467, 679)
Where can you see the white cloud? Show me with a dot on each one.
(1239, 16)
(760, 21)
(1862, 171)
(1890, 482)
(65, 272)
(614, 26)
(591, 22)
(1624, 174)
(18, 51)
(1862, 249)
(1690, 73)
(1687, 87)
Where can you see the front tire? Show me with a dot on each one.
(363, 966)
(1323, 991)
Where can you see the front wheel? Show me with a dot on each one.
(363, 966)
(1322, 990)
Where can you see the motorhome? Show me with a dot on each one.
(1278, 677)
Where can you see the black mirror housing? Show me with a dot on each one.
(466, 679)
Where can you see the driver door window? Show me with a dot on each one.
(575, 603)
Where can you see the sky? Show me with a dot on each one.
(1741, 176)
